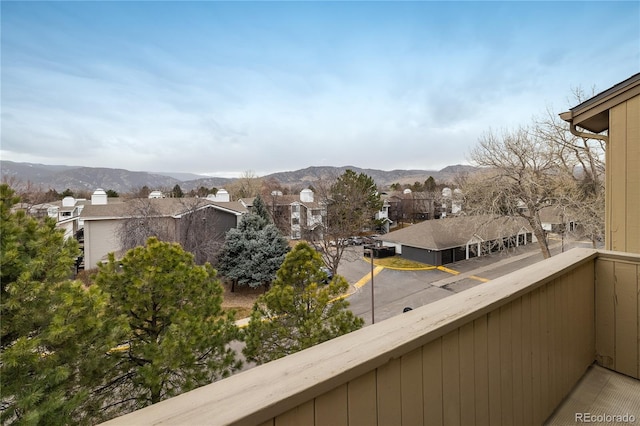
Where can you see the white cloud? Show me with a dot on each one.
(383, 97)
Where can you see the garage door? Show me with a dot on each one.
(419, 255)
(447, 256)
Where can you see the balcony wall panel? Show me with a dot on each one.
(605, 313)
(506, 366)
(303, 414)
(527, 364)
(331, 408)
(536, 359)
(389, 393)
(481, 371)
(516, 357)
(451, 375)
(618, 313)
(362, 400)
(494, 368)
(626, 333)
(432, 382)
(411, 385)
(466, 346)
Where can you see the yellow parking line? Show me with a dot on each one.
(450, 271)
(362, 281)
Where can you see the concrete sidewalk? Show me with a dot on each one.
(477, 273)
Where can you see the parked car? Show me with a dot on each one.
(370, 239)
(329, 274)
(356, 241)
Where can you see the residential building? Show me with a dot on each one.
(557, 220)
(520, 349)
(102, 220)
(411, 206)
(382, 216)
(297, 216)
(66, 212)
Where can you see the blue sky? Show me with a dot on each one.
(225, 87)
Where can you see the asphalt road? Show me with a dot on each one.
(394, 289)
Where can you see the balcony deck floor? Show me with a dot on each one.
(599, 392)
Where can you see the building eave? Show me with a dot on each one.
(593, 114)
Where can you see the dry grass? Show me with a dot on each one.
(397, 262)
(241, 300)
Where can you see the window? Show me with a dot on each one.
(295, 221)
(315, 212)
(295, 208)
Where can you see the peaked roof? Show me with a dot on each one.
(440, 234)
(160, 207)
(288, 199)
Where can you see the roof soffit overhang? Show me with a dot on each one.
(593, 114)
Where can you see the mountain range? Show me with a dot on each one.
(61, 177)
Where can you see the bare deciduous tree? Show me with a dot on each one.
(144, 221)
(200, 231)
(246, 186)
(583, 163)
(192, 224)
(523, 175)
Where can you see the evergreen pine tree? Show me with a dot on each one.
(252, 253)
(177, 192)
(300, 310)
(260, 209)
(168, 315)
(51, 347)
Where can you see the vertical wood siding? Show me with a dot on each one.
(623, 196)
(513, 365)
(618, 315)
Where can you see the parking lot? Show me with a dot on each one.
(395, 290)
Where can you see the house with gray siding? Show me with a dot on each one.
(103, 220)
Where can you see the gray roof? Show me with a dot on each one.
(160, 207)
(440, 234)
(555, 214)
(285, 200)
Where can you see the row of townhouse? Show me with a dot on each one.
(97, 222)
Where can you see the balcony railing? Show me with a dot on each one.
(506, 352)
